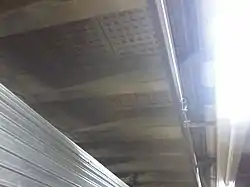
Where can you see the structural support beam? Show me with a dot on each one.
(158, 176)
(47, 13)
(159, 164)
(164, 184)
(137, 149)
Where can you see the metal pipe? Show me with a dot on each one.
(167, 34)
(168, 41)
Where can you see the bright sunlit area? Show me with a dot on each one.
(231, 38)
(230, 31)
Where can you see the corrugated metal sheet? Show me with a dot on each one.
(34, 153)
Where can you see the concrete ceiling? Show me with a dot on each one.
(100, 75)
(7, 5)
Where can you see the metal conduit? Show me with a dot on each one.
(168, 41)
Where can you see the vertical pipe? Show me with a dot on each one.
(168, 41)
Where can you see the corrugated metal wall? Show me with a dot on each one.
(34, 153)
